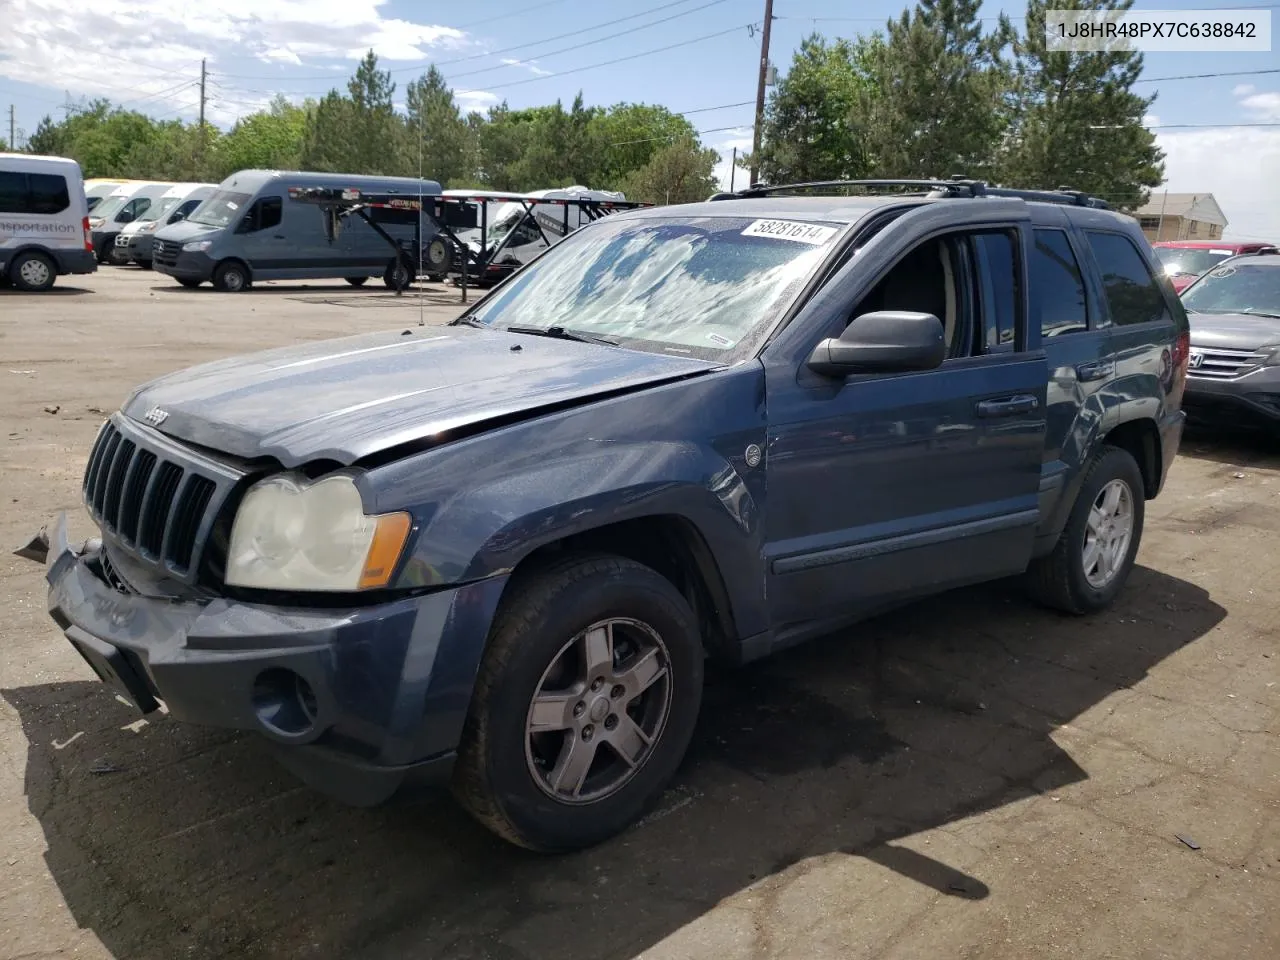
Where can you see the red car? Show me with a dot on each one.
(1184, 260)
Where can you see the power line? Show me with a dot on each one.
(1208, 76)
(520, 46)
(608, 63)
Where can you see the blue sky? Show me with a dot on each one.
(147, 52)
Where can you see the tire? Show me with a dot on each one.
(103, 252)
(32, 272)
(188, 282)
(144, 264)
(357, 281)
(1061, 580)
(231, 276)
(504, 774)
(397, 276)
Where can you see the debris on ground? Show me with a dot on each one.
(54, 409)
(104, 767)
(96, 410)
(1238, 476)
(1188, 841)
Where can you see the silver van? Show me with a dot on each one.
(251, 229)
(44, 223)
(125, 204)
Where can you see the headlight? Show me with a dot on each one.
(291, 533)
(148, 227)
(95, 222)
(198, 246)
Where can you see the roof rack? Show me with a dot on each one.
(956, 186)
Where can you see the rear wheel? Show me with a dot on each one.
(232, 276)
(1099, 544)
(585, 702)
(357, 281)
(32, 272)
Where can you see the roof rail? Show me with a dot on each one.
(956, 186)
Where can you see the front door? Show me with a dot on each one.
(882, 487)
(262, 240)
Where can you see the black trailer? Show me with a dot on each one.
(436, 250)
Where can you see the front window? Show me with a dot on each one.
(1182, 262)
(221, 209)
(1237, 288)
(109, 207)
(694, 286)
(159, 209)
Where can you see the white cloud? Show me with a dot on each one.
(1243, 89)
(530, 65)
(1150, 120)
(469, 100)
(145, 49)
(1237, 165)
(1265, 105)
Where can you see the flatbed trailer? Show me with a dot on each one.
(445, 253)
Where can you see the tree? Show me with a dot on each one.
(268, 140)
(1075, 120)
(444, 144)
(627, 136)
(682, 172)
(929, 106)
(360, 132)
(807, 134)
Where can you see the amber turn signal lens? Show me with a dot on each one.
(384, 552)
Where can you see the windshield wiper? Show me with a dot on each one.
(560, 333)
(1259, 313)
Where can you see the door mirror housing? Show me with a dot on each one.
(885, 341)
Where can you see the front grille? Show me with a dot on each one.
(122, 239)
(151, 499)
(1213, 363)
(166, 252)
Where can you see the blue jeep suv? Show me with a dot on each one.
(499, 551)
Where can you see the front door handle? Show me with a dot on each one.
(1095, 370)
(1007, 406)
(279, 236)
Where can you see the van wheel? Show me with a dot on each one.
(585, 702)
(32, 272)
(397, 276)
(188, 282)
(357, 281)
(103, 252)
(1097, 549)
(232, 276)
(144, 264)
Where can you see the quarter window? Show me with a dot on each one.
(998, 288)
(1132, 293)
(34, 193)
(1057, 288)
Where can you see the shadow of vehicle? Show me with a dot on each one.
(266, 288)
(171, 841)
(1233, 446)
(59, 290)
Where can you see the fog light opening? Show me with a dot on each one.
(284, 702)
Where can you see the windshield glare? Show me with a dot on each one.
(220, 209)
(109, 207)
(1236, 288)
(696, 286)
(1194, 262)
(159, 209)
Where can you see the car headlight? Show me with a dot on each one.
(292, 533)
(95, 222)
(147, 227)
(198, 246)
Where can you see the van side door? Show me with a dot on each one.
(886, 486)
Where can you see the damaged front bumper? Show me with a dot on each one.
(354, 700)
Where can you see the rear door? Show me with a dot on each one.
(887, 486)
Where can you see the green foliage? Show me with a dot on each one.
(443, 144)
(681, 172)
(270, 140)
(360, 132)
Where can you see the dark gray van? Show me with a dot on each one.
(250, 229)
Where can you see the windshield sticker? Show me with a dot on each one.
(810, 233)
(232, 205)
(716, 338)
(1223, 272)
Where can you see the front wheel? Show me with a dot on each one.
(397, 276)
(189, 282)
(357, 281)
(231, 277)
(584, 705)
(1099, 544)
(144, 264)
(32, 272)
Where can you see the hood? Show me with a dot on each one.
(346, 399)
(1234, 331)
(185, 230)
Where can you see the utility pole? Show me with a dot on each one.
(13, 143)
(733, 169)
(764, 71)
(202, 80)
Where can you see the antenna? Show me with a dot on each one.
(421, 211)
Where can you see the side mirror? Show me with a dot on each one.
(177, 217)
(886, 341)
(124, 217)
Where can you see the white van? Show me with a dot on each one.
(125, 204)
(44, 222)
(134, 242)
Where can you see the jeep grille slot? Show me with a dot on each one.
(144, 464)
(115, 482)
(191, 505)
(155, 510)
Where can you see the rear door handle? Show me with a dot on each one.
(1095, 370)
(1007, 406)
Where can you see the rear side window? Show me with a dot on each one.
(34, 193)
(1057, 288)
(1132, 293)
(998, 290)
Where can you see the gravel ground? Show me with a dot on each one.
(969, 778)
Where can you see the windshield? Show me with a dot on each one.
(109, 207)
(503, 218)
(1237, 288)
(161, 208)
(220, 209)
(1178, 261)
(695, 286)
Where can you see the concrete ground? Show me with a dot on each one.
(969, 778)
